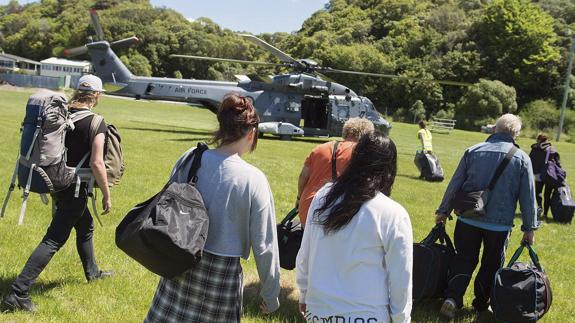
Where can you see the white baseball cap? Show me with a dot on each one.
(90, 83)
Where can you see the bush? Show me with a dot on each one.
(484, 102)
(540, 115)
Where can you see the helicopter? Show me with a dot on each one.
(299, 103)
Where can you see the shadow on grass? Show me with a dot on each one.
(411, 177)
(298, 139)
(428, 311)
(193, 139)
(180, 132)
(288, 311)
(38, 288)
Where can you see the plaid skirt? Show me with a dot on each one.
(210, 292)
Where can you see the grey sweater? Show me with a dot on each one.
(241, 209)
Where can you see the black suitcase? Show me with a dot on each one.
(521, 291)
(290, 234)
(428, 165)
(166, 234)
(562, 205)
(431, 262)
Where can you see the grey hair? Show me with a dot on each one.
(355, 128)
(509, 124)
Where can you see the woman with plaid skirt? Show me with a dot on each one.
(242, 217)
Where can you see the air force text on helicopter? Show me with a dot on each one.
(190, 90)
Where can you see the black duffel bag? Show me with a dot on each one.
(562, 205)
(431, 262)
(521, 291)
(290, 234)
(167, 233)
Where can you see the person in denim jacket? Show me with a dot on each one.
(516, 184)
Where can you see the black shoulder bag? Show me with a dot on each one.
(166, 234)
(472, 204)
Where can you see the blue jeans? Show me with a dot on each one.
(71, 212)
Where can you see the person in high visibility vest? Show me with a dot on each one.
(424, 135)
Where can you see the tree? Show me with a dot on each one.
(484, 102)
(417, 111)
(137, 64)
(517, 41)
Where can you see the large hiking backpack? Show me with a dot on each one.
(167, 233)
(428, 165)
(431, 262)
(41, 164)
(562, 205)
(521, 291)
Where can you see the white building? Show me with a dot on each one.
(62, 67)
(12, 63)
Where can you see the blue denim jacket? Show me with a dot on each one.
(516, 183)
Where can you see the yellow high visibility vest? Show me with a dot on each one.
(425, 136)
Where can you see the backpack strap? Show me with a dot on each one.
(80, 115)
(547, 155)
(501, 167)
(192, 176)
(334, 161)
(10, 189)
(25, 195)
(95, 125)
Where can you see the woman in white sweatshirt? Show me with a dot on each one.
(355, 261)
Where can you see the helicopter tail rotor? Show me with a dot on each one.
(96, 24)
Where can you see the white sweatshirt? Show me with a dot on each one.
(363, 270)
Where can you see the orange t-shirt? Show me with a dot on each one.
(319, 164)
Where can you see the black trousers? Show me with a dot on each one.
(543, 200)
(468, 240)
(71, 212)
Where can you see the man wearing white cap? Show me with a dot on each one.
(71, 207)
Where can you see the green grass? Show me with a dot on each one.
(154, 136)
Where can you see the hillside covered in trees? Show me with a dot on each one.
(514, 51)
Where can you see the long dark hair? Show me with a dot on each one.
(372, 169)
(236, 117)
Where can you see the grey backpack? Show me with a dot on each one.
(41, 164)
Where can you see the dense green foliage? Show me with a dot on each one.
(521, 43)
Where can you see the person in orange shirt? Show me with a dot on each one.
(323, 165)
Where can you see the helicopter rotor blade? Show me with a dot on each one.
(215, 59)
(96, 24)
(275, 51)
(76, 51)
(126, 42)
(398, 77)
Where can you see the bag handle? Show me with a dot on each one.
(334, 161)
(438, 233)
(502, 167)
(290, 216)
(192, 176)
(532, 255)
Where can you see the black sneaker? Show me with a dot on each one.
(101, 275)
(13, 302)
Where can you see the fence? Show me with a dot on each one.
(442, 125)
(47, 82)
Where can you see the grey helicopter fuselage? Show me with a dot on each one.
(291, 104)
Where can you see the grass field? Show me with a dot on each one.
(154, 136)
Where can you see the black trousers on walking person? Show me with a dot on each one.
(468, 240)
(543, 201)
(71, 212)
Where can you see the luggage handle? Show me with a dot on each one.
(438, 233)
(289, 217)
(532, 255)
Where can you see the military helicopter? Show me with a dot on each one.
(297, 103)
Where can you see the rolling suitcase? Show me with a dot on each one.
(562, 205)
(428, 164)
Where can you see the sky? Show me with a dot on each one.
(254, 16)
